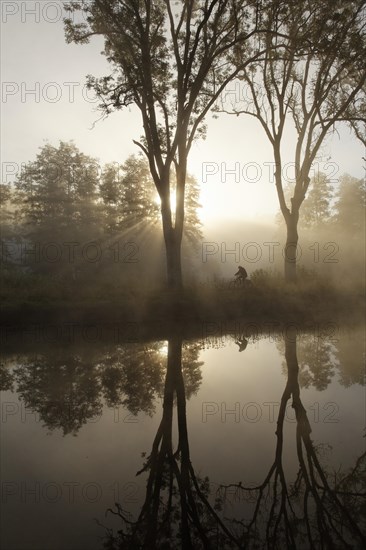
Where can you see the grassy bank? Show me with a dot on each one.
(31, 299)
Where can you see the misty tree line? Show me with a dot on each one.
(67, 217)
(332, 226)
(344, 207)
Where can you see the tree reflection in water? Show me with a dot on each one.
(67, 389)
(323, 356)
(316, 510)
(178, 511)
(312, 512)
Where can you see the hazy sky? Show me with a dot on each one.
(44, 100)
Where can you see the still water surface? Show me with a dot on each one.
(241, 442)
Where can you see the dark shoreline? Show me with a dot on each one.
(166, 316)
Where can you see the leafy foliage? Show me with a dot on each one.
(316, 210)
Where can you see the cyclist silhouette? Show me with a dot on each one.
(241, 274)
(242, 343)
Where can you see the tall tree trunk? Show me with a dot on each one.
(173, 233)
(174, 261)
(173, 243)
(291, 218)
(175, 364)
(292, 239)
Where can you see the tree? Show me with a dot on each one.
(131, 208)
(8, 230)
(6, 211)
(130, 199)
(351, 206)
(348, 224)
(128, 195)
(6, 376)
(315, 79)
(132, 376)
(65, 392)
(316, 207)
(172, 63)
(315, 360)
(56, 197)
(350, 358)
(58, 190)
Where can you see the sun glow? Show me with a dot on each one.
(173, 198)
(164, 349)
(222, 202)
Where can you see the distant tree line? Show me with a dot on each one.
(333, 224)
(342, 205)
(69, 218)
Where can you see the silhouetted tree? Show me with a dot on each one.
(172, 62)
(9, 232)
(350, 206)
(131, 201)
(316, 208)
(128, 195)
(191, 368)
(58, 190)
(315, 79)
(6, 212)
(56, 198)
